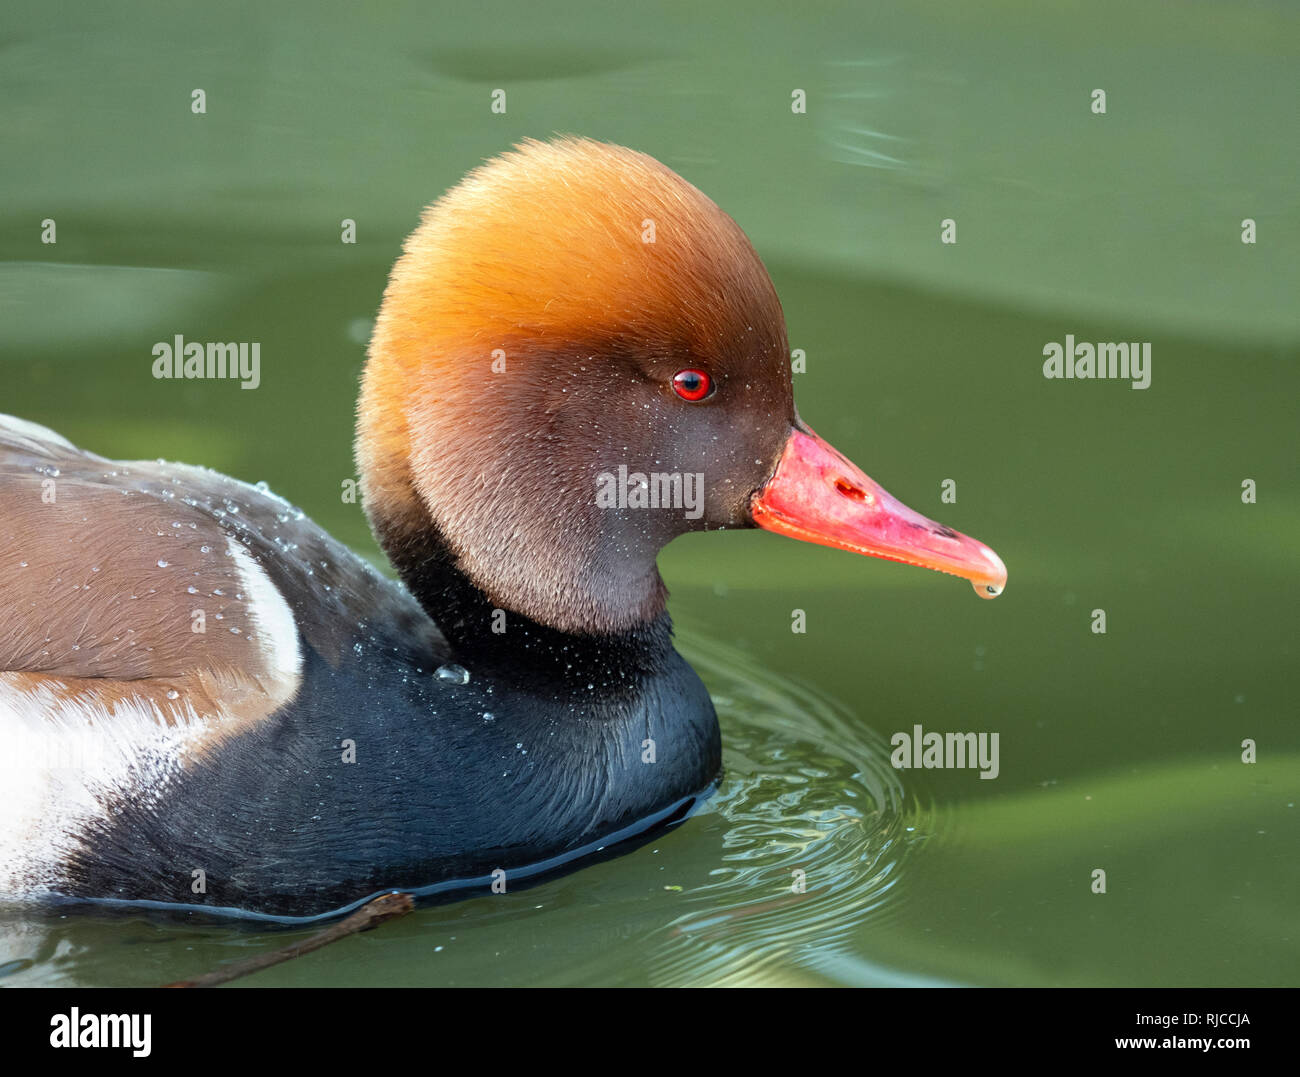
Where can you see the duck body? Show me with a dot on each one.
(205, 700)
(378, 772)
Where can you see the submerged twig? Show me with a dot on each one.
(372, 914)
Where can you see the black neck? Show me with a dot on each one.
(512, 646)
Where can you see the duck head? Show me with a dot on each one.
(579, 356)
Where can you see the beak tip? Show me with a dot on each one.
(994, 582)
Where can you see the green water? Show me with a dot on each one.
(1119, 752)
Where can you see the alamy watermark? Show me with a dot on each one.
(1122, 361)
(212, 361)
(946, 751)
(657, 490)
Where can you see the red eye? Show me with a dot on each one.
(692, 385)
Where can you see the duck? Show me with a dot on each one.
(210, 703)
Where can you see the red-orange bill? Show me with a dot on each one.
(818, 496)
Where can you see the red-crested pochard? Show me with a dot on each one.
(206, 700)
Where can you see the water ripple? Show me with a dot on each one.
(808, 788)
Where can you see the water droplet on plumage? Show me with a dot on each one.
(453, 674)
